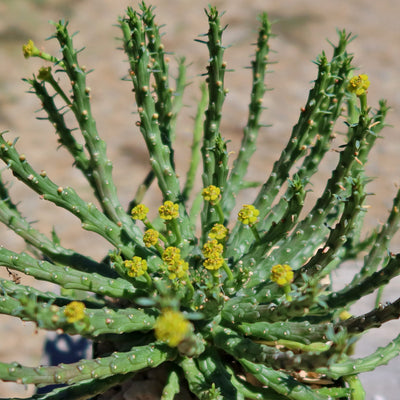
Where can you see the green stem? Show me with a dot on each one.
(220, 212)
(49, 314)
(149, 225)
(142, 190)
(58, 89)
(216, 278)
(334, 392)
(175, 228)
(381, 243)
(379, 296)
(351, 367)
(66, 277)
(322, 109)
(12, 218)
(66, 197)
(281, 383)
(46, 56)
(82, 391)
(101, 166)
(188, 283)
(255, 233)
(250, 132)
(158, 247)
(142, 357)
(172, 386)
(357, 390)
(353, 292)
(228, 271)
(214, 154)
(137, 48)
(65, 135)
(196, 143)
(287, 289)
(363, 103)
(148, 279)
(372, 319)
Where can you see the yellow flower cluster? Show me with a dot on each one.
(248, 215)
(169, 210)
(211, 193)
(136, 267)
(30, 49)
(150, 237)
(171, 254)
(213, 264)
(358, 84)
(213, 250)
(345, 315)
(282, 274)
(171, 327)
(176, 266)
(178, 269)
(218, 231)
(44, 74)
(139, 212)
(74, 311)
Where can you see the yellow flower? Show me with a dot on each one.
(44, 74)
(214, 263)
(282, 274)
(139, 212)
(358, 84)
(176, 266)
(74, 311)
(171, 254)
(211, 193)
(30, 49)
(212, 249)
(248, 214)
(136, 267)
(169, 210)
(344, 315)
(218, 231)
(171, 327)
(177, 269)
(150, 237)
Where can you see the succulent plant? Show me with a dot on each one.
(234, 301)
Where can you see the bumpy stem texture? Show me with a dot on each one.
(237, 308)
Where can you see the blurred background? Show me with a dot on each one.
(302, 28)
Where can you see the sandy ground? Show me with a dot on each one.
(302, 27)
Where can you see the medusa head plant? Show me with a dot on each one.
(233, 305)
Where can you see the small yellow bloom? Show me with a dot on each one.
(44, 74)
(169, 210)
(30, 49)
(358, 84)
(344, 315)
(218, 231)
(74, 311)
(171, 327)
(136, 267)
(212, 249)
(139, 212)
(248, 214)
(150, 237)
(214, 263)
(282, 274)
(171, 254)
(177, 269)
(211, 193)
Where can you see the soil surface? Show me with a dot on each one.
(302, 27)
